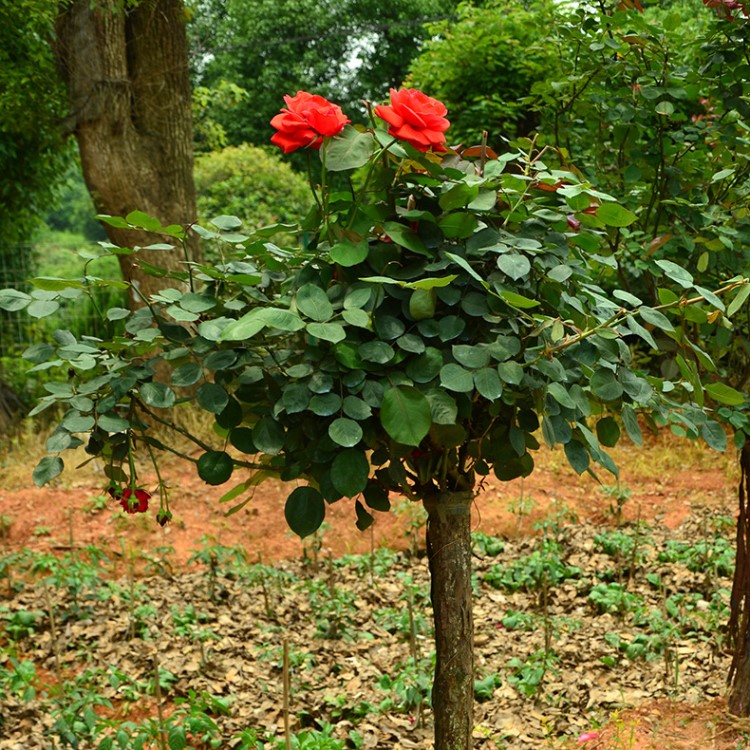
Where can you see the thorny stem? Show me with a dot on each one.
(623, 313)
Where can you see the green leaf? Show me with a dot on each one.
(725, 394)
(561, 395)
(518, 300)
(11, 300)
(656, 318)
(406, 237)
(313, 302)
(364, 518)
(349, 150)
(739, 300)
(458, 196)
(333, 332)
(714, 435)
(577, 455)
(443, 407)
(422, 304)
(188, 374)
(345, 432)
(47, 469)
(268, 436)
(456, 378)
(608, 432)
(677, 273)
(510, 372)
(405, 415)
(356, 408)
(458, 225)
(112, 423)
(710, 297)
(630, 420)
(615, 215)
(514, 265)
(177, 738)
(305, 511)
(41, 308)
(350, 471)
(212, 397)
(158, 395)
(325, 404)
(140, 219)
(348, 253)
(466, 266)
(604, 385)
(473, 357)
(488, 384)
(665, 108)
(215, 467)
(242, 439)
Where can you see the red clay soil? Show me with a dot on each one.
(662, 481)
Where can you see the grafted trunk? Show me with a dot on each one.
(130, 110)
(449, 553)
(739, 622)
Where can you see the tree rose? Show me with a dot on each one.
(415, 118)
(305, 120)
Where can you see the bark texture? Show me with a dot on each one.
(130, 109)
(449, 553)
(739, 622)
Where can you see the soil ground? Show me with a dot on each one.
(663, 482)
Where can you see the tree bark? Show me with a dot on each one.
(449, 555)
(130, 109)
(739, 621)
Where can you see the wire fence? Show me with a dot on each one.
(18, 329)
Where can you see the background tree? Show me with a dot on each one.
(126, 72)
(33, 149)
(485, 63)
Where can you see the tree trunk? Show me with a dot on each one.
(449, 554)
(739, 621)
(129, 91)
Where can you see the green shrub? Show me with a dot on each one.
(247, 182)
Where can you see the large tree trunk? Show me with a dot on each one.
(739, 622)
(129, 91)
(449, 554)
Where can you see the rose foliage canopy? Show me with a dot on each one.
(436, 324)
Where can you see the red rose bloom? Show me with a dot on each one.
(415, 118)
(135, 501)
(305, 120)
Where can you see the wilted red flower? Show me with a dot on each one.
(135, 501)
(305, 120)
(726, 8)
(415, 118)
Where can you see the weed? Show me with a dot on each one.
(527, 675)
(333, 608)
(484, 688)
(22, 623)
(410, 686)
(618, 497)
(96, 504)
(528, 572)
(19, 679)
(415, 518)
(613, 598)
(485, 545)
